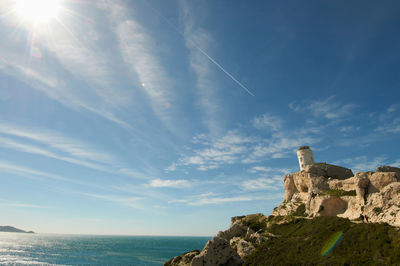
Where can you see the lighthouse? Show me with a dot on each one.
(305, 156)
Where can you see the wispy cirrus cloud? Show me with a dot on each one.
(213, 199)
(137, 49)
(25, 205)
(263, 184)
(389, 127)
(237, 147)
(16, 204)
(329, 108)
(30, 173)
(133, 202)
(264, 169)
(228, 149)
(179, 183)
(206, 83)
(57, 146)
(64, 61)
(279, 145)
(268, 121)
(362, 163)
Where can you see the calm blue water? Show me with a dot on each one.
(78, 249)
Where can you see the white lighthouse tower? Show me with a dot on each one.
(305, 156)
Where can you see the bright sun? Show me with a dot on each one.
(37, 11)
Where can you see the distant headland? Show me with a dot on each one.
(11, 229)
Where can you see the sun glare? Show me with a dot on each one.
(37, 11)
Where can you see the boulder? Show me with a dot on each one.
(236, 229)
(290, 188)
(244, 248)
(302, 181)
(258, 239)
(329, 170)
(379, 180)
(217, 252)
(182, 260)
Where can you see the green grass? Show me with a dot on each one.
(300, 242)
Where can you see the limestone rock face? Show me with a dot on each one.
(183, 260)
(217, 252)
(379, 180)
(385, 206)
(257, 238)
(236, 229)
(244, 248)
(328, 190)
(290, 188)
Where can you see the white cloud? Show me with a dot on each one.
(329, 108)
(200, 42)
(261, 184)
(30, 173)
(212, 199)
(180, 183)
(84, 63)
(280, 145)
(25, 205)
(57, 146)
(56, 141)
(135, 46)
(348, 129)
(267, 121)
(263, 170)
(171, 168)
(392, 108)
(228, 149)
(236, 148)
(256, 169)
(126, 201)
(392, 127)
(362, 163)
(396, 163)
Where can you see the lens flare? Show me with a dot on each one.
(331, 243)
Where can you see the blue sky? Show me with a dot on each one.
(170, 117)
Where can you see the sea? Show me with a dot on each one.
(25, 249)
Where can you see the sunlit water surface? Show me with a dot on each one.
(79, 249)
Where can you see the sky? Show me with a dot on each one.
(150, 117)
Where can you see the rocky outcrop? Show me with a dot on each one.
(386, 168)
(217, 252)
(229, 247)
(328, 190)
(183, 260)
(329, 170)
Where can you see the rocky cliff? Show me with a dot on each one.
(328, 190)
(320, 190)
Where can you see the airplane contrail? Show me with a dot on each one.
(223, 69)
(203, 52)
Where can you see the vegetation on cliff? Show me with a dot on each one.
(299, 241)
